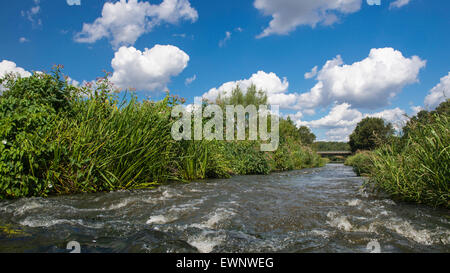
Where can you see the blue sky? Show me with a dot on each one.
(393, 58)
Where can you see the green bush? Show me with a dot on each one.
(361, 162)
(29, 111)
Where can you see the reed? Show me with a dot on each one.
(420, 172)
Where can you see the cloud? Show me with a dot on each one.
(149, 70)
(399, 3)
(340, 116)
(32, 14)
(339, 134)
(311, 74)
(74, 2)
(396, 116)
(23, 40)
(275, 87)
(439, 93)
(369, 83)
(7, 67)
(416, 109)
(224, 40)
(125, 21)
(190, 80)
(342, 120)
(287, 15)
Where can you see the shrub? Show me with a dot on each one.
(361, 162)
(29, 111)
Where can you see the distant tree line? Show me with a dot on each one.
(326, 146)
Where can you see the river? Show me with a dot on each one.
(311, 210)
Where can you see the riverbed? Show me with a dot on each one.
(311, 210)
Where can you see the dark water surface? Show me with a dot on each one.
(314, 210)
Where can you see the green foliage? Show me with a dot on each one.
(420, 172)
(416, 166)
(251, 97)
(105, 148)
(323, 146)
(42, 89)
(369, 134)
(202, 159)
(425, 117)
(361, 162)
(245, 158)
(59, 139)
(29, 110)
(289, 131)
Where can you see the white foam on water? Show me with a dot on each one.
(160, 220)
(405, 229)
(354, 202)
(204, 242)
(26, 207)
(52, 222)
(340, 222)
(320, 232)
(218, 216)
(120, 205)
(215, 218)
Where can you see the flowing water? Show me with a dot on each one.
(313, 210)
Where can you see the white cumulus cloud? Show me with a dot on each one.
(289, 14)
(10, 67)
(7, 67)
(149, 70)
(369, 83)
(439, 93)
(123, 22)
(397, 117)
(342, 120)
(275, 88)
(340, 116)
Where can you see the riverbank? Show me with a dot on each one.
(58, 139)
(416, 166)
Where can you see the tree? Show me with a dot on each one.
(306, 135)
(325, 146)
(288, 130)
(370, 133)
(251, 97)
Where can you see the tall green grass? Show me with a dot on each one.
(106, 148)
(420, 172)
(59, 139)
